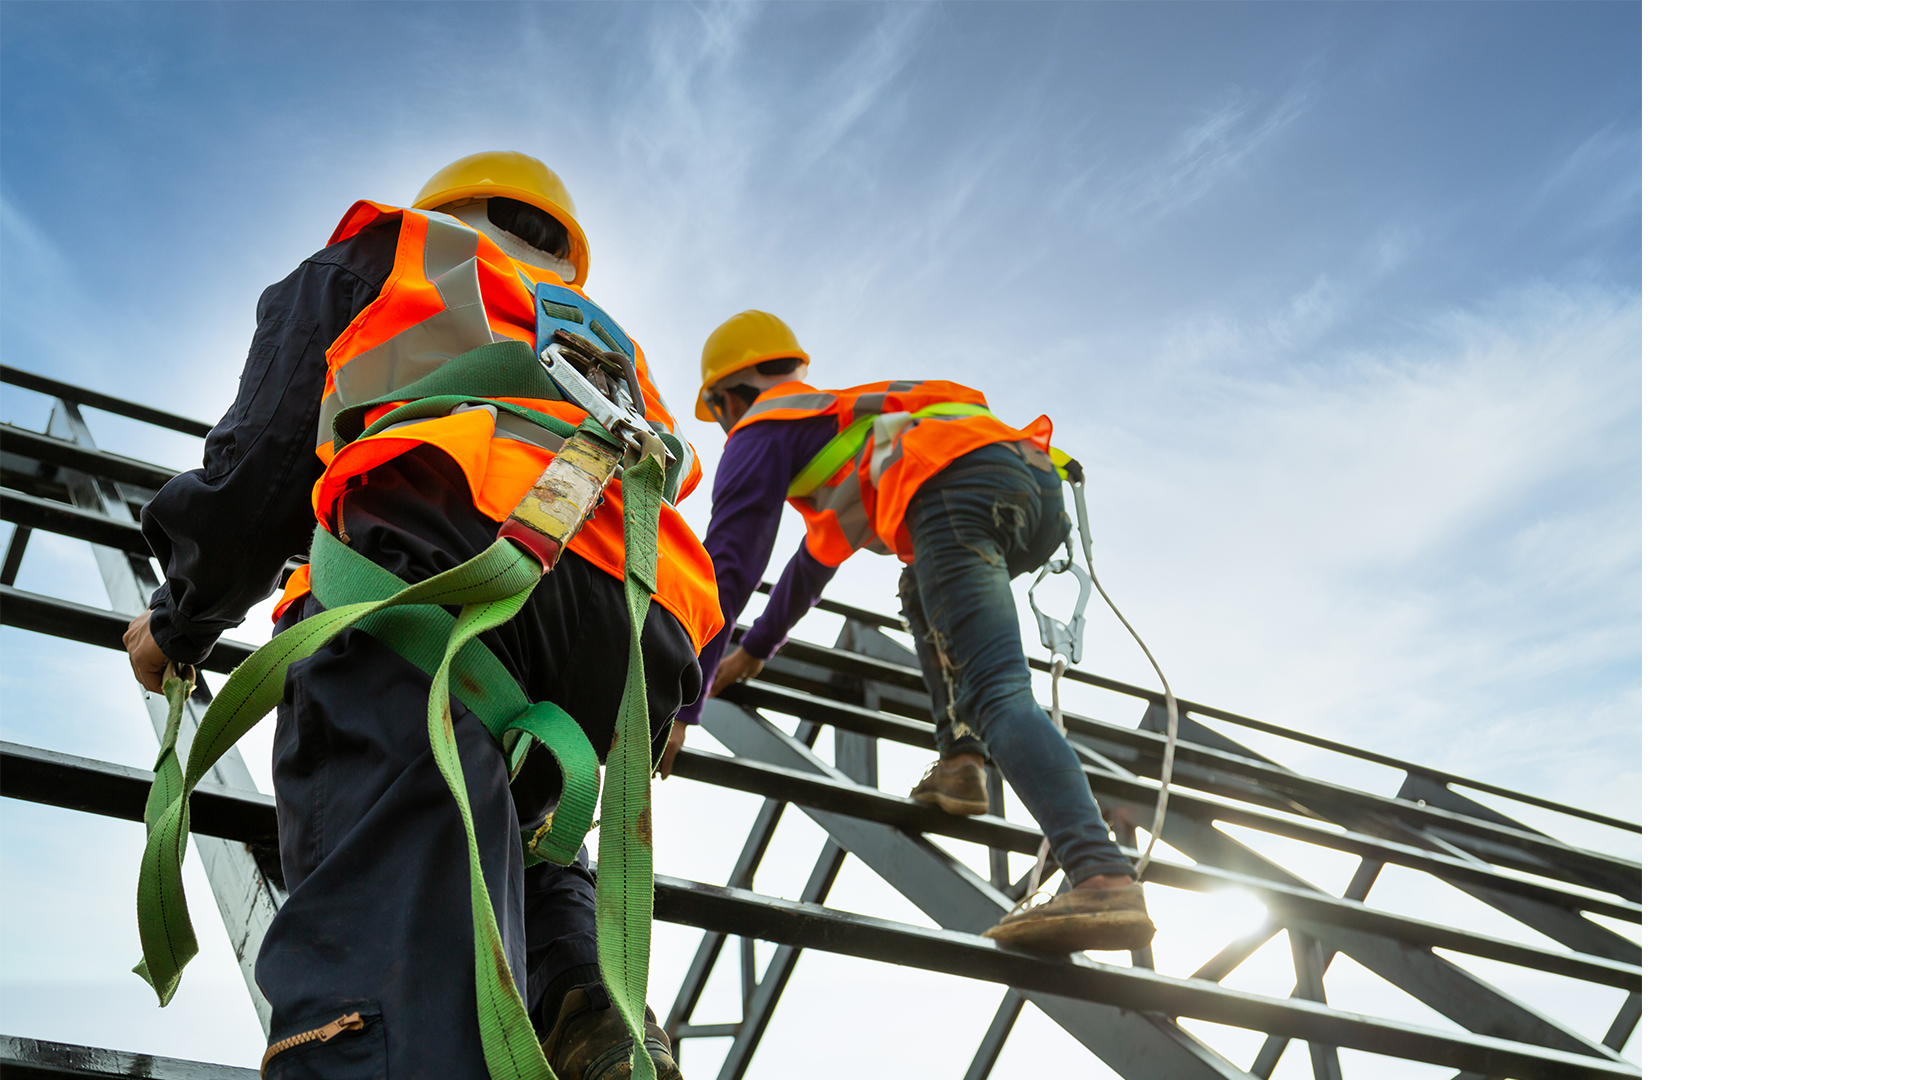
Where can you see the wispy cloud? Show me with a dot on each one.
(861, 83)
(1201, 154)
(1442, 536)
(1600, 176)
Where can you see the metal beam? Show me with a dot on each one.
(849, 611)
(1496, 847)
(766, 994)
(995, 1040)
(33, 512)
(1436, 982)
(1135, 1046)
(1292, 901)
(38, 1059)
(1151, 695)
(244, 881)
(1249, 777)
(1624, 1022)
(81, 458)
(1553, 920)
(1440, 865)
(967, 955)
(1507, 843)
(707, 953)
(69, 779)
(1310, 961)
(760, 694)
(27, 380)
(1236, 952)
(31, 774)
(1223, 767)
(92, 626)
(16, 550)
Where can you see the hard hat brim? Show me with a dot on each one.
(700, 410)
(577, 250)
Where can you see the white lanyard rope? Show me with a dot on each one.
(1055, 636)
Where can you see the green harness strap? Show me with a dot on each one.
(343, 576)
(490, 589)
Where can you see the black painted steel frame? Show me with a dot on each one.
(866, 688)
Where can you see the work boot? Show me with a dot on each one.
(590, 1042)
(1104, 919)
(960, 788)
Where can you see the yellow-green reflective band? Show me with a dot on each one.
(1061, 460)
(846, 445)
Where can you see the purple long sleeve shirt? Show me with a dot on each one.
(749, 492)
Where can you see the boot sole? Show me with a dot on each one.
(1104, 931)
(956, 807)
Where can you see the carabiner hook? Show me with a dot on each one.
(1062, 639)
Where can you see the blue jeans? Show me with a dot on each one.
(987, 517)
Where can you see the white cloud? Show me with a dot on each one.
(1430, 549)
(1197, 157)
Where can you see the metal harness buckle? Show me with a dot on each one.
(623, 420)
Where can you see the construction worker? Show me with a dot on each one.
(919, 468)
(377, 920)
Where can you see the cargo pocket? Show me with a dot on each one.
(345, 1042)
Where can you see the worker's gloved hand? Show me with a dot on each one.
(149, 663)
(675, 739)
(736, 665)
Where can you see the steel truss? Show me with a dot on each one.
(866, 688)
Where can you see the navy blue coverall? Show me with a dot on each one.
(377, 916)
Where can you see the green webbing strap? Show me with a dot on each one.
(559, 839)
(491, 588)
(342, 576)
(442, 404)
(166, 935)
(844, 446)
(506, 1034)
(167, 765)
(501, 370)
(623, 910)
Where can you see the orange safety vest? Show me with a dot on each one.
(863, 501)
(453, 290)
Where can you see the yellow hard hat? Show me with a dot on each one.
(749, 338)
(515, 176)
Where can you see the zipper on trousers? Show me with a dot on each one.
(349, 1022)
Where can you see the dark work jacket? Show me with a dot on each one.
(223, 532)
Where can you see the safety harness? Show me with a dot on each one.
(1063, 640)
(412, 619)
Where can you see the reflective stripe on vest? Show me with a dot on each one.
(439, 311)
(452, 290)
(855, 491)
(852, 441)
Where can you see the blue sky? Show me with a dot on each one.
(1340, 303)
